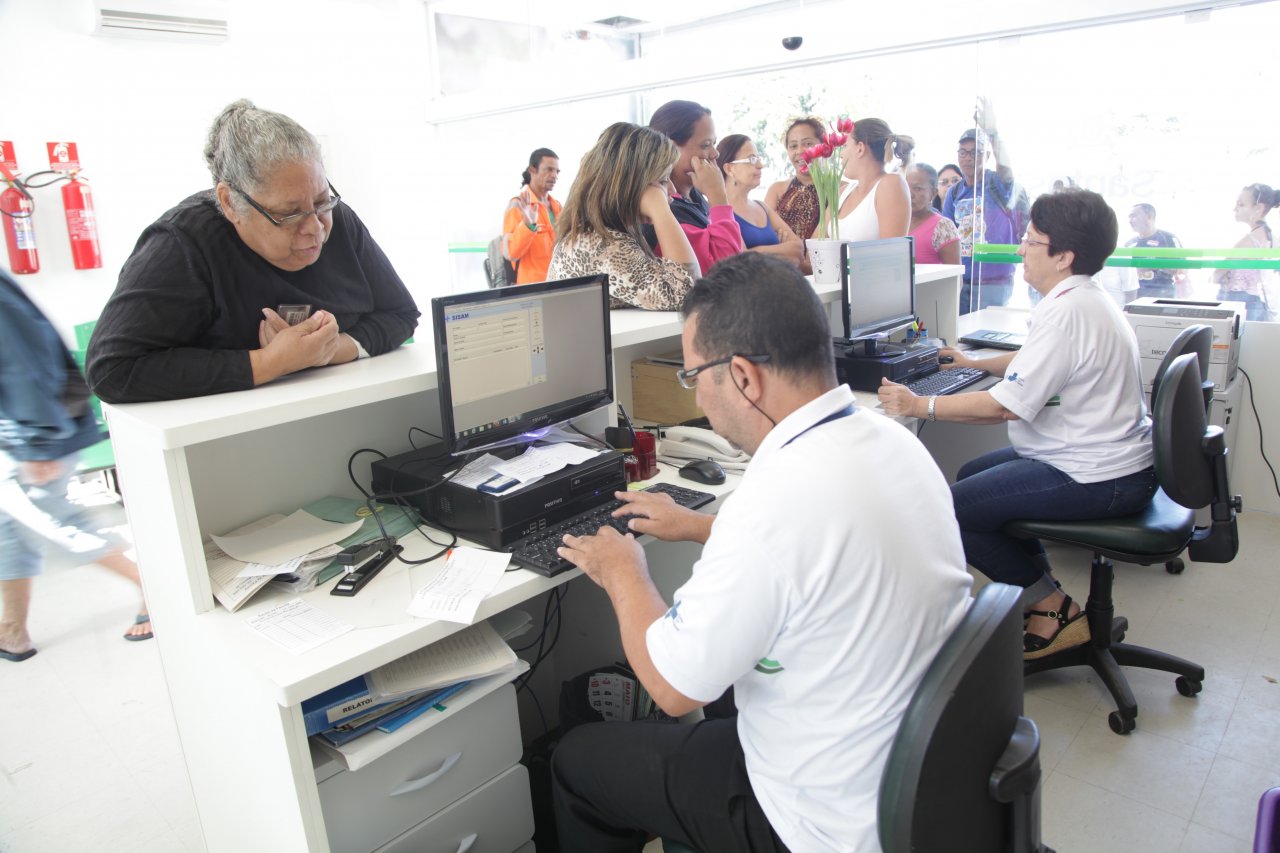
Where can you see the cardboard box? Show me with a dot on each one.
(656, 395)
(1157, 322)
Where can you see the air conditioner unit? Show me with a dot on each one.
(183, 20)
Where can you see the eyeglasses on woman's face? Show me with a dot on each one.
(292, 220)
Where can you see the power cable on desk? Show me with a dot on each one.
(1253, 405)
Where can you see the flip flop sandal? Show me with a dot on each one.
(138, 620)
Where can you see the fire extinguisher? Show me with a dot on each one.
(82, 223)
(19, 235)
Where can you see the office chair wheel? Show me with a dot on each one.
(1188, 686)
(1175, 566)
(1119, 724)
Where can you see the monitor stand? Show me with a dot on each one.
(873, 347)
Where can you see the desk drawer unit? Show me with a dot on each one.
(495, 818)
(371, 806)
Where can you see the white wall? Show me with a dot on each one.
(351, 71)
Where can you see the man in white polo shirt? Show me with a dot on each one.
(827, 583)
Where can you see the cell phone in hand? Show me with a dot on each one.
(293, 314)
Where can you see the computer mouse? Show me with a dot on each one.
(946, 359)
(703, 471)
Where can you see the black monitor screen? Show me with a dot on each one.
(879, 286)
(513, 360)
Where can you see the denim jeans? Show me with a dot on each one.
(34, 517)
(1002, 486)
(990, 292)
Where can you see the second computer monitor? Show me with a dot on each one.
(878, 293)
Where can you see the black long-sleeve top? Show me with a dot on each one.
(186, 309)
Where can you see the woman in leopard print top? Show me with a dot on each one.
(623, 184)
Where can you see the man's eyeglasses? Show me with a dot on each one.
(293, 219)
(966, 153)
(754, 160)
(688, 379)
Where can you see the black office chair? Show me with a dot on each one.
(1191, 469)
(1199, 341)
(963, 773)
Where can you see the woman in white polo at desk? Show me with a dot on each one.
(1078, 425)
(262, 276)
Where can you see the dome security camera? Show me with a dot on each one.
(792, 42)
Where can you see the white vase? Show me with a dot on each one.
(824, 257)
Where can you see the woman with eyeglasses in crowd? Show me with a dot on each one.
(877, 203)
(762, 229)
(700, 203)
(1252, 206)
(263, 275)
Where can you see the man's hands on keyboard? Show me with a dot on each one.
(658, 515)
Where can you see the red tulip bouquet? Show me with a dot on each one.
(823, 164)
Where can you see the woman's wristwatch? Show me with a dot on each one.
(931, 415)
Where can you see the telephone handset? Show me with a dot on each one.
(680, 444)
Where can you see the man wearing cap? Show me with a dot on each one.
(988, 207)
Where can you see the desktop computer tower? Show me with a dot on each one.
(496, 521)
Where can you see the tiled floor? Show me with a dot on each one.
(91, 761)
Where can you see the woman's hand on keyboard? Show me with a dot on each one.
(898, 400)
(659, 516)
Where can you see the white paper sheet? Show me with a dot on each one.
(540, 461)
(286, 539)
(295, 566)
(232, 590)
(296, 626)
(482, 470)
(471, 653)
(455, 593)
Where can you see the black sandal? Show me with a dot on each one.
(1073, 631)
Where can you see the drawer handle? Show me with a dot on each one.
(418, 784)
(467, 843)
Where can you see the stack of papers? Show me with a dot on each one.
(399, 692)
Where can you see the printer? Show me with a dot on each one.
(1158, 321)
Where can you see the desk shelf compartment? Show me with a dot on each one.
(495, 818)
(371, 806)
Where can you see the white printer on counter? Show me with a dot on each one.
(1157, 322)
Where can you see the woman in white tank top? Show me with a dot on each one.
(877, 204)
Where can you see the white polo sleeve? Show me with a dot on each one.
(725, 618)
(1037, 373)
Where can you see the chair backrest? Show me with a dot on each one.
(1266, 836)
(1191, 460)
(1180, 424)
(963, 772)
(1193, 339)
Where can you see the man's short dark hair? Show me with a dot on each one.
(753, 304)
(1078, 221)
(1148, 209)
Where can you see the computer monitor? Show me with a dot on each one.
(514, 361)
(878, 296)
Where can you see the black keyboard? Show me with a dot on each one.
(538, 551)
(946, 381)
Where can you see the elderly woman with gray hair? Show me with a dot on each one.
(266, 274)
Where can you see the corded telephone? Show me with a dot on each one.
(680, 444)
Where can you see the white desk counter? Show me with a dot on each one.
(193, 468)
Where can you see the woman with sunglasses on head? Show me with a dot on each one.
(623, 187)
(1252, 206)
(263, 275)
(762, 229)
(1079, 434)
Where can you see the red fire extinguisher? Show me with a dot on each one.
(19, 235)
(82, 224)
